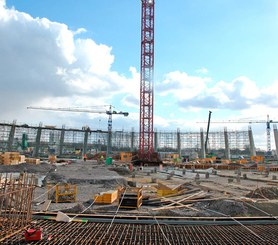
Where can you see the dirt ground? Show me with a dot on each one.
(227, 193)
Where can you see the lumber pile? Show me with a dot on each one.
(14, 158)
(33, 160)
(182, 201)
(11, 158)
(184, 198)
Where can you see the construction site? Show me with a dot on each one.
(61, 185)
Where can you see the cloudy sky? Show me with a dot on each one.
(218, 55)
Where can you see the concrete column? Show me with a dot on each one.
(11, 136)
(38, 141)
(155, 141)
(227, 146)
(203, 153)
(132, 140)
(62, 138)
(109, 143)
(251, 142)
(179, 142)
(85, 143)
(275, 138)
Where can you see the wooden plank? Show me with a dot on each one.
(46, 205)
(179, 202)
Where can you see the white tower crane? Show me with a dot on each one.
(109, 112)
(267, 121)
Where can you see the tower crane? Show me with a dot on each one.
(109, 112)
(146, 134)
(267, 121)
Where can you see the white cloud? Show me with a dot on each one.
(193, 93)
(202, 70)
(43, 63)
(181, 85)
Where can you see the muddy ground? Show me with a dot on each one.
(227, 193)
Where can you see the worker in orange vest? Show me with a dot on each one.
(85, 157)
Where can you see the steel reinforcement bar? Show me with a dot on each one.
(105, 233)
(15, 203)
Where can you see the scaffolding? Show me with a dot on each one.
(63, 141)
(16, 195)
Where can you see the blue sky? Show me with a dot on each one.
(218, 55)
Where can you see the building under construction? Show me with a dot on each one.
(43, 140)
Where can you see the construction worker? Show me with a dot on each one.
(101, 159)
(85, 157)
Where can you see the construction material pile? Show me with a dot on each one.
(14, 158)
(264, 192)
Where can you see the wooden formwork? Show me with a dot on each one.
(62, 193)
(130, 197)
(15, 203)
(106, 197)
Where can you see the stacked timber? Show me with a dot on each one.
(11, 158)
(182, 199)
(33, 160)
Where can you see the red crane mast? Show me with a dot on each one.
(146, 134)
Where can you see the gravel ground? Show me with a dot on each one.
(92, 178)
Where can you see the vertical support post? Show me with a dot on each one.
(38, 141)
(132, 140)
(203, 152)
(62, 138)
(276, 139)
(85, 143)
(11, 136)
(155, 141)
(251, 142)
(227, 146)
(179, 142)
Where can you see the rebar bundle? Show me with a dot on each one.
(16, 195)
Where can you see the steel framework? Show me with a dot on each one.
(146, 139)
(65, 141)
